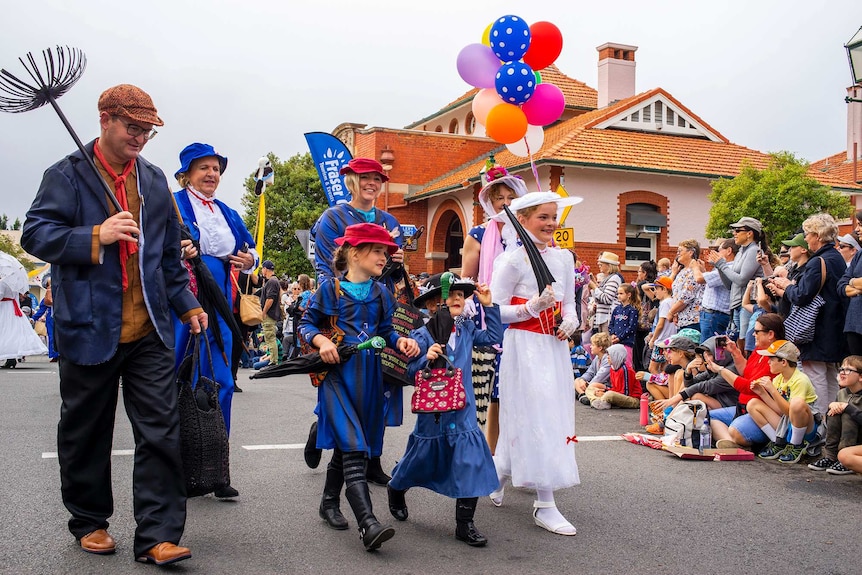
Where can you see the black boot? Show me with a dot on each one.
(371, 532)
(330, 510)
(375, 473)
(312, 453)
(465, 529)
(397, 504)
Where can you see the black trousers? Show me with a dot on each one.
(85, 434)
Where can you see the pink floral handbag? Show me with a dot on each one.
(438, 389)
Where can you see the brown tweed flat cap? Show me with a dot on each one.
(131, 102)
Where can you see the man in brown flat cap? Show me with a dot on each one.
(114, 277)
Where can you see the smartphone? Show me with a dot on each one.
(720, 345)
(759, 254)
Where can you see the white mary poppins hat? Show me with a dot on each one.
(537, 199)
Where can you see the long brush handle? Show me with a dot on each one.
(87, 157)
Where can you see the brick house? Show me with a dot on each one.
(642, 162)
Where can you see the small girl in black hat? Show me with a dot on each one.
(351, 419)
(447, 453)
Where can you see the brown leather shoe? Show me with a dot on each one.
(165, 553)
(98, 542)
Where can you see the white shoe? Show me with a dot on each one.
(551, 519)
(600, 404)
(497, 497)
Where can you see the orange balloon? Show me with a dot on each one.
(506, 123)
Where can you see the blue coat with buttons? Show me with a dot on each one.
(451, 456)
(87, 296)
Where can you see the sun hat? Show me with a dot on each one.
(783, 349)
(796, 241)
(364, 166)
(359, 234)
(196, 151)
(609, 258)
(665, 282)
(465, 285)
(537, 199)
(677, 342)
(499, 175)
(129, 101)
(749, 223)
(850, 241)
(689, 333)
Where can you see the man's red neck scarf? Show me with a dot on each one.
(126, 248)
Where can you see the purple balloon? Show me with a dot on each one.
(477, 65)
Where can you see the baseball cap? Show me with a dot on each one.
(783, 349)
(665, 282)
(749, 223)
(268, 265)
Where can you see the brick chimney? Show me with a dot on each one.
(616, 72)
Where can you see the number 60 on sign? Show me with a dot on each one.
(565, 238)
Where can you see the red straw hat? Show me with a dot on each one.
(359, 234)
(364, 166)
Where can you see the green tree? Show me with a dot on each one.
(14, 250)
(4, 222)
(781, 196)
(294, 201)
(17, 224)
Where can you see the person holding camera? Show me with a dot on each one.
(749, 236)
(715, 305)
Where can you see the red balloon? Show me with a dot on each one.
(546, 43)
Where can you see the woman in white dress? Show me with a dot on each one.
(536, 448)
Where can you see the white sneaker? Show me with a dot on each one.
(600, 404)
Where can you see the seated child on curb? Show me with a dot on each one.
(790, 393)
(600, 368)
(623, 389)
(842, 454)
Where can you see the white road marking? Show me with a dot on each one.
(26, 371)
(53, 454)
(272, 446)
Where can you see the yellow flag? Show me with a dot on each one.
(261, 225)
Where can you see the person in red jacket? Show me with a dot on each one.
(623, 389)
(729, 429)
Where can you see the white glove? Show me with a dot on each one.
(540, 302)
(470, 310)
(569, 325)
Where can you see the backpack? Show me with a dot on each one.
(682, 426)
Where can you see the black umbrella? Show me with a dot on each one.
(311, 362)
(540, 268)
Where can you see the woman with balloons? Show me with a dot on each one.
(513, 104)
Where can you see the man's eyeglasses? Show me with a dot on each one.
(844, 246)
(846, 370)
(135, 130)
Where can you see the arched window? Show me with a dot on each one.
(439, 128)
(469, 123)
(453, 126)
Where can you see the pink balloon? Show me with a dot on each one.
(546, 106)
(477, 65)
(483, 102)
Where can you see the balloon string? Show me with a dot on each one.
(533, 164)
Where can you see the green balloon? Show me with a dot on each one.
(538, 78)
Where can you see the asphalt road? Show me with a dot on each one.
(637, 510)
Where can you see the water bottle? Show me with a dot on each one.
(705, 436)
(645, 409)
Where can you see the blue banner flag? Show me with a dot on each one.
(329, 155)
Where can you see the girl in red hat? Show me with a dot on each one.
(351, 418)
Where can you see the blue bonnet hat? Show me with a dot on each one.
(194, 151)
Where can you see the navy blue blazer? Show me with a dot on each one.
(87, 296)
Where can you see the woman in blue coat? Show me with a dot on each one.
(224, 242)
(447, 453)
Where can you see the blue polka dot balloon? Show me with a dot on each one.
(510, 38)
(515, 82)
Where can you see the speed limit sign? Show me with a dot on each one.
(565, 238)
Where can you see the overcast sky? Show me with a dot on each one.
(251, 77)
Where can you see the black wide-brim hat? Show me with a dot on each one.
(435, 290)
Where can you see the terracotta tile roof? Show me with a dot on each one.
(578, 142)
(839, 166)
(578, 95)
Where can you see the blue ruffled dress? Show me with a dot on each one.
(451, 457)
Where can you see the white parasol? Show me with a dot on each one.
(13, 277)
